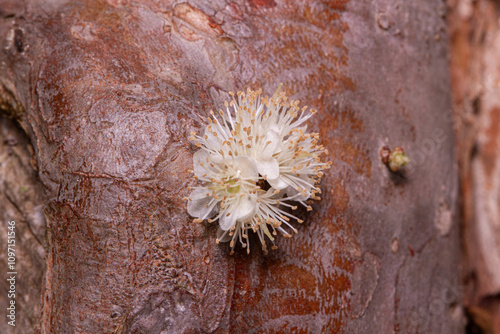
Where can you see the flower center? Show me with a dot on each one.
(234, 186)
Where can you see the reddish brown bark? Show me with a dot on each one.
(475, 72)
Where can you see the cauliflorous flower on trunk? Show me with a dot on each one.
(255, 159)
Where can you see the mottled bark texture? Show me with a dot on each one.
(107, 93)
(475, 68)
(21, 201)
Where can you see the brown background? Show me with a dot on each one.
(98, 100)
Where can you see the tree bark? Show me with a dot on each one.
(475, 44)
(107, 93)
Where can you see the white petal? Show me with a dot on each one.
(242, 210)
(246, 166)
(216, 158)
(212, 141)
(271, 194)
(269, 167)
(197, 205)
(200, 156)
(273, 138)
(224, 238)
(291, 191)
(246, 207)
(226, 222)
(278, 183)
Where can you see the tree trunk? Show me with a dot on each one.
(475, 44)
(107, 93)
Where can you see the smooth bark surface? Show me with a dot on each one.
(108, 92)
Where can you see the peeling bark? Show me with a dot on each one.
(475, 45)
(21, 202)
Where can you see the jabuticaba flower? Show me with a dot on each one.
(256, 162)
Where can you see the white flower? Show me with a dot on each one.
(253, 160)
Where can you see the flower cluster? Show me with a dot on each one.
(254, 159)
